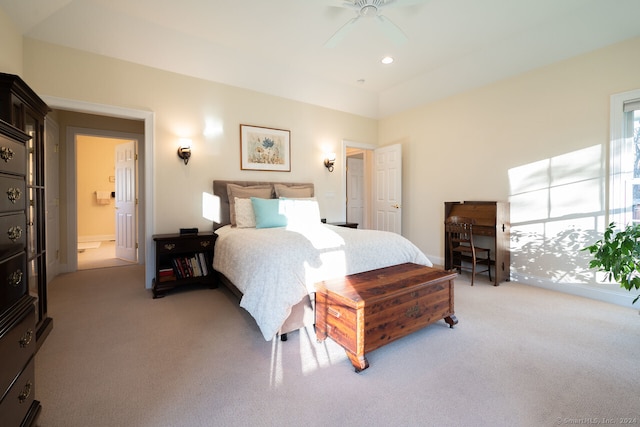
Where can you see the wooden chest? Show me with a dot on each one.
(365, 311)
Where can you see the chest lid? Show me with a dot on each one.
(372, 286)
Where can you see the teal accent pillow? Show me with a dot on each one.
(268, 213)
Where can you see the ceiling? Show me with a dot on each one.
(277, 46)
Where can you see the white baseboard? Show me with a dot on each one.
(620, 297)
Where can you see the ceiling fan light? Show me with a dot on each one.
(368, 10)
(387, 60)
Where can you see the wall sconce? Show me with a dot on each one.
(184, 151)
(329, 161)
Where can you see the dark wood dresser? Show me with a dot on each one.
(17, 307)
(24, 109)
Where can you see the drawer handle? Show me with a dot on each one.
(205, 243)
(169, 246)
(25, 393)
(26, 338)
(14, 233)
(15, 278)
(6, 154)
(413, 311)
(14, 194)
(333, 312)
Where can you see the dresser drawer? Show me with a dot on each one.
(12, 193)
(17, 345)
(13, 234)
(13, 280)
(17, 402)
(12, 156)
(190, 244)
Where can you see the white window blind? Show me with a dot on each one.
(631, 105)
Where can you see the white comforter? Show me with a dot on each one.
(275, 268)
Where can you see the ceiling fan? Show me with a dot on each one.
(371, 9)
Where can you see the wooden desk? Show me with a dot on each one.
(492, 220)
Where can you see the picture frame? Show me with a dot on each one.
(265, 149)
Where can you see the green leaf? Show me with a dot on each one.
(618, 255)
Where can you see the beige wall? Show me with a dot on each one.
(540, 141)
(10, 46)
(209, 114)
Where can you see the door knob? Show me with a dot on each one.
(397, 206)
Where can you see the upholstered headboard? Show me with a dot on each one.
(220, 191)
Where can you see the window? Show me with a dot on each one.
(624, 197)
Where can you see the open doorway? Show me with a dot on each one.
(91, 115)
(380, 183)
(103, 239)
(358, 181)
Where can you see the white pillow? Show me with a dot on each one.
(245, 217)
(301, 212)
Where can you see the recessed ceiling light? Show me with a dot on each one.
(387, 60)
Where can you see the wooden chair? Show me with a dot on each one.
(459, 232)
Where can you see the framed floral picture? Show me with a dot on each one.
(265, 149)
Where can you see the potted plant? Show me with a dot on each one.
(618, 255)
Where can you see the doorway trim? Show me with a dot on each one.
(362, 146)
(146, 186)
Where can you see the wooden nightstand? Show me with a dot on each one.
(182, 260)
(345, 224)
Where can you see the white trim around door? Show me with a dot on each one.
(145, 251)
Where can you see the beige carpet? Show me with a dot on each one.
(520, 356)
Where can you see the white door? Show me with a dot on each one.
(388, 188)
(126, 247)
(355, 191)
(52, 197)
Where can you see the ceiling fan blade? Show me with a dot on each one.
(343, 4)
(392, 31)
(338, 3)
(341, 33)
(401, 3)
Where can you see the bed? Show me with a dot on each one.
(272, 264)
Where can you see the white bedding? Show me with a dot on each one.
(275, 268)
